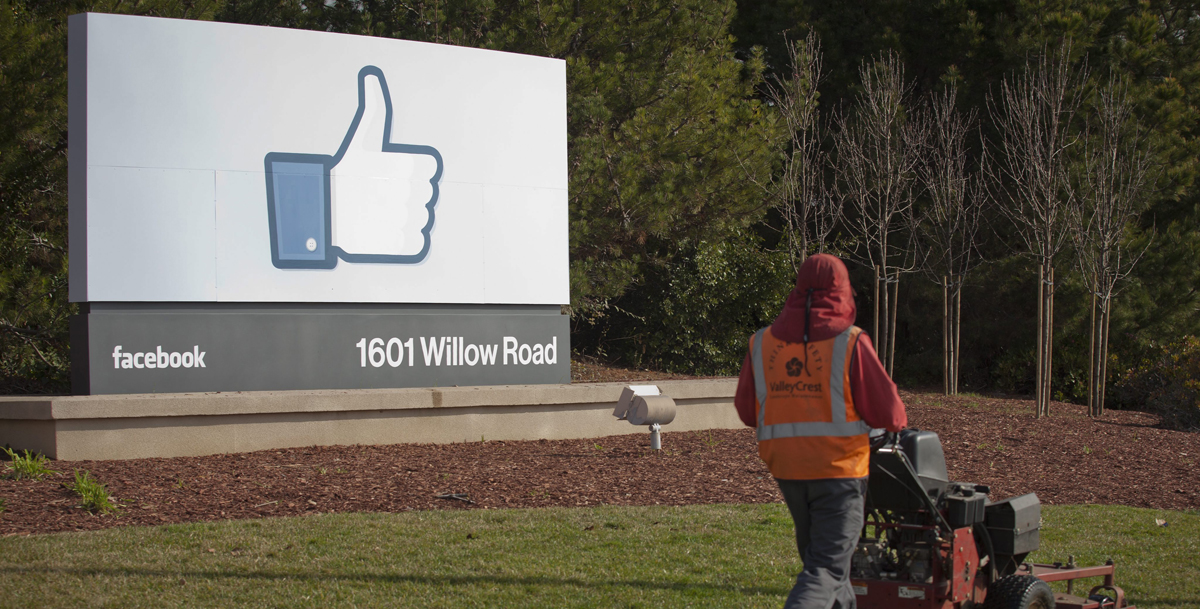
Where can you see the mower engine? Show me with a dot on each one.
(931, 543)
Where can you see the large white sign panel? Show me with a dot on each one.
(226, 163)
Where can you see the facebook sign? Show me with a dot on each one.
(263, 208)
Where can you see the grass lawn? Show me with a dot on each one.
(695, 556)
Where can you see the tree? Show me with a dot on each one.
(950, 224)
(1034, 117)
(696, 313)
(1116, 167)
(33, 117)
(809, 207)
(664, 127)
(876, 166)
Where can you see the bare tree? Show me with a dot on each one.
(1034, 117)
(875, 165)
(1116, 162)
(949, 225)
(808, 206)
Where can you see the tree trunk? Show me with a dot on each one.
(875, 302)
(803, 246)
(1100, 395)
(1041, 343)
(1047, 372)
(945, 336)
(1092, 356)
(882, 314)
(957, 334)
(892, 325)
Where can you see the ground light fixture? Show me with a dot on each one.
(645, 405)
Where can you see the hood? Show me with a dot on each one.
(832, 308)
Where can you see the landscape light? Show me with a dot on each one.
(645, 405)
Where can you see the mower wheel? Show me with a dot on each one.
(1019, 592)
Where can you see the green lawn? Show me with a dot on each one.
(1158, 566)
(696, 556)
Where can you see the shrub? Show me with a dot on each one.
(1166, 382)
(30, 466)
(696, 314)
(1013, 372)
(94, 495)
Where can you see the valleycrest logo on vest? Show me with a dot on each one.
(797, 387)
(809, 363)
(795, 367)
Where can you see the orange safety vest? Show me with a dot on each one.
(808, 428)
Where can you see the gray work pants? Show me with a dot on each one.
(829, 517)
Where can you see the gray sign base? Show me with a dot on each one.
(176, 348)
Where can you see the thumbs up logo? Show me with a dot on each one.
(370, 202)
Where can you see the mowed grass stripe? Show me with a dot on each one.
(693, 556)
(1158, 566)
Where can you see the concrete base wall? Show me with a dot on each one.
(178, 425)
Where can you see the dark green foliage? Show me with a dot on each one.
(696, 313)
(665, 162)
(1153, 45)
(1166, 381)
(33, 203)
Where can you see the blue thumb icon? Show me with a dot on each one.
(300, 195)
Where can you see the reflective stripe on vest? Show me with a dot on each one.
(837, 427)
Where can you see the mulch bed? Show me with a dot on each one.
(1122, 459)
(586, 369)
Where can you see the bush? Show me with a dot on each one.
(696, 314)
(30, 466)
(94, 495)
(1166, 382)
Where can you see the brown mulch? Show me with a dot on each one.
(586, 369)
(1066, 459)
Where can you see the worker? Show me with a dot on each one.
(814, 388)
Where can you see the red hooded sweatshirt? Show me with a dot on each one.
(832, 311)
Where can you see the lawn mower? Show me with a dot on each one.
(930, 543)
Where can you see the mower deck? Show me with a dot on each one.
(1058, 572)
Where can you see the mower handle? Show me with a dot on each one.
(883, 438)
